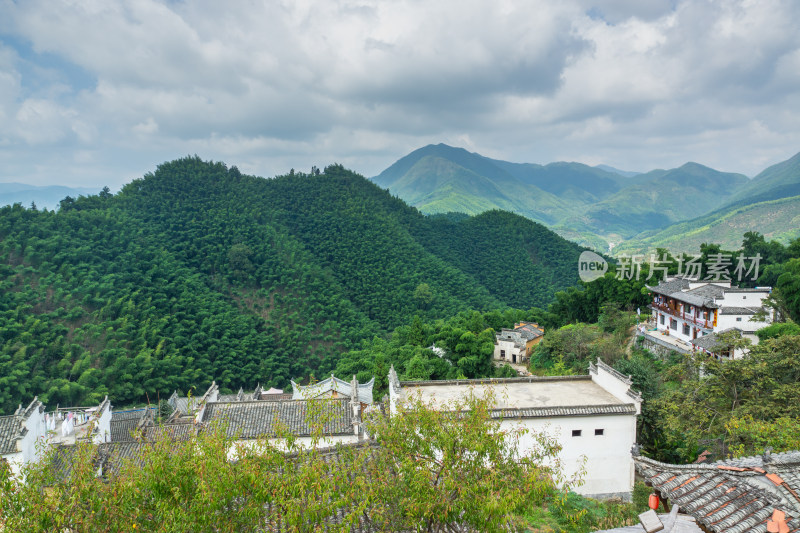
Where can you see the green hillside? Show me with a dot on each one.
(781, 180)
(589, 205)
(197, 272)
(776, 220)
(441, 179)
(659, 198)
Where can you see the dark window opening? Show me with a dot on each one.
(576, 432)
(599, 431)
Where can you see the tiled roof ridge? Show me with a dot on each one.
(495, 381)
(556, 411)
(289, 401)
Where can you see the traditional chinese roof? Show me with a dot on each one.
(188, 405)
(12, 427)
(333, 384)
(704, 295)
(521, 334)
(123, 423)
(739, 311)
(751, 494)
(679, 289)
(111, 455)
(11, 430)
(254, 419)
(712, 340)
(176, 432)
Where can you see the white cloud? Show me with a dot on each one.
(278, 84)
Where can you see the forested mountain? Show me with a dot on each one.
(598, 205)
(781, 180)
(775, 219)
(197, 272)
(441, 178)
(659, 198)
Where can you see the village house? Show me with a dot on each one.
(593, 417)
(686, 311)
(71, 425)
(516, 345)
(743, 495)
(22, 435)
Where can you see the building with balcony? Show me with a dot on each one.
(687, 310)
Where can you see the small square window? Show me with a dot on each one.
(599, 431)
(738, 319)
(576, 432)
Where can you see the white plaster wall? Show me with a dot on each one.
(103, 426)
(609, 465)
(729, 321)
(32, 444)
(508, 346)
(15, 461)
(613, 385)
(744, 299)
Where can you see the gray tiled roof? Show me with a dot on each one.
(668, 287)
(254, 419)
(710, 341)
(574, 410)
(112, 455)
(123, 423)
(178, 432)
(738, 311)
(10, 430)
(12, 427)
(734, 496)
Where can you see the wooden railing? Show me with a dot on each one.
(688, 317)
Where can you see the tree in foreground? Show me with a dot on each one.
(426, 470)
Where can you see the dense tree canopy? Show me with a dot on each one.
(198, 272)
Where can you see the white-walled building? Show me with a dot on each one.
(23, 435)
(592, 417)
(68, 425)
(516, 345)
(688, 310)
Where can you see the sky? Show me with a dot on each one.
(99, 92)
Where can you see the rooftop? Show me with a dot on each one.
(704, 295)
(525, 397)
(736, 495)
(12, 427)
(254, 419)
(336, 386)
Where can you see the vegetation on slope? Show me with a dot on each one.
(197, 272)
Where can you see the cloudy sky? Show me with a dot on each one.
(98, 92)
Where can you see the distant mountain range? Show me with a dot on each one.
(603, 206)
(47, 197)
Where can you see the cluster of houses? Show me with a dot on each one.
(690, 315)
(593, 417)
